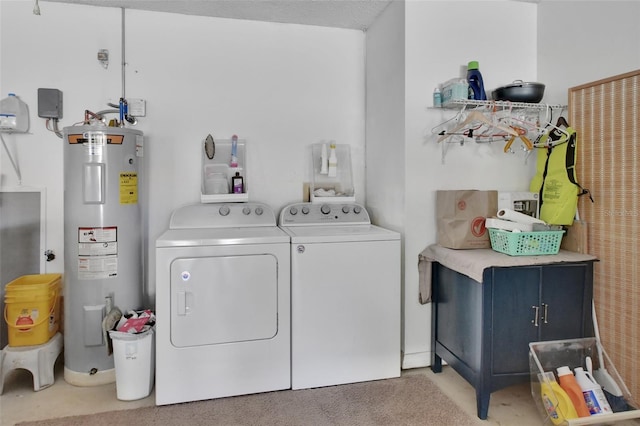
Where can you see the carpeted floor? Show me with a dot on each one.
(409, 400)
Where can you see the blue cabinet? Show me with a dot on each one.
(483, 330)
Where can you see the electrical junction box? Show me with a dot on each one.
(49, 103)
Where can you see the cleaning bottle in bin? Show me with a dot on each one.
(476, 85)
(555, 400)
(569, 384)
(593, 395)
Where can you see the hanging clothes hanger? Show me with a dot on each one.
(553, 136)
(440, 129)
(522, 136)
(562, 122)
(475, 117)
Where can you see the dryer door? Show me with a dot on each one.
(223, 299)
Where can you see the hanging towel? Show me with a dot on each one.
(424, 279)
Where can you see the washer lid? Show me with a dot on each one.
(339, 233)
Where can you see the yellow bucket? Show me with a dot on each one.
(32, 309)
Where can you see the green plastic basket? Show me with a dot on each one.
(525, 243)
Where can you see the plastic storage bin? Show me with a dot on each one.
(545, 357)
(32, 309)
(134, 361)
(454, 89)
(525, 243)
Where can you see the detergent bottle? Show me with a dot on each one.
(593, 395)
(570, 386)
(476, 85)
(555, 400)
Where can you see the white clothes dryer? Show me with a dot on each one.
(345, 295)
(222, 303)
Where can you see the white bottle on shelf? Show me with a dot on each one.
(437, 97)
(14, 115)
(324, 160)
(593, 395)
(333, 161)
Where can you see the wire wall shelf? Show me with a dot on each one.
(457, 103)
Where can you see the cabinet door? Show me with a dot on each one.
(565, 303)
(516, 295)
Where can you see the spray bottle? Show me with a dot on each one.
(333, 161)
(593, 395)
(324, 160)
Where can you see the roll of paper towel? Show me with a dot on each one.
(512, 215)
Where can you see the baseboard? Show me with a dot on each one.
(416, 360)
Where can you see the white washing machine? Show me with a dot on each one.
(222, 303)
(345, 295)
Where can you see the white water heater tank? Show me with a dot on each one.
(103, 233)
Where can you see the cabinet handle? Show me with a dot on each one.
(545, 308)
(536, 310)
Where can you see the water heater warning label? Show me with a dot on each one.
(97, 252)
(128, 188)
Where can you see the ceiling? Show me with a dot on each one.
(350, 14)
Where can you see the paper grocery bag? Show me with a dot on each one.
(461, 215)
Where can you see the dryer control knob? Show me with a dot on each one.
(259, 211)
(224, 210)
(246, 211)
(293, 211)
(325, 209)
(345, 209)
(357, 209)
(305, 210)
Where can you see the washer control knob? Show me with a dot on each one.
(246, 211)
(224, 211)
(305, 209)
(293, 211)
(357, 209)
(345, 209)
(259, 211)
(325, 209)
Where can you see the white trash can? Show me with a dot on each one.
(134, 359)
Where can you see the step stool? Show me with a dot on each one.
(38, 359)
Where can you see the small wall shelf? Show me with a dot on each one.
(219, 168)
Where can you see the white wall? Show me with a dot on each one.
(580, 42)
(434, 52)
(281, 87)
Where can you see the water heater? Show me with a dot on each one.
(103, 233)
